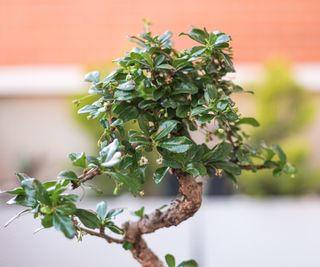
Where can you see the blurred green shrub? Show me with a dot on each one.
(284, 110)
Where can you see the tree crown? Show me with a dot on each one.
(169, 94)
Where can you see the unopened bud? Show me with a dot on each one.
(218, 172)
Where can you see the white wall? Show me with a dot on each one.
(227, 232)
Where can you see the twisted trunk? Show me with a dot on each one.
(184, 206)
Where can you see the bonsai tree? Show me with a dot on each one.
(169, 93)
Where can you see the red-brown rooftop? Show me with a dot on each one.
(67, 31)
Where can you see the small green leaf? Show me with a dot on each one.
(22, 176)
(34, 192)
(127, 246)
(69, 175)
(165, 128)
(159, 59)
(113, 213)
(189, 263)
(101, 210)
(125, 95)
(211, 91)
(230, 167)
(222, 39)
(170, 260)
(185, 88)
(127, 86)
(64, 224)
(15, 191)
(47, 221)
(282, 156)
(178, 144)
(248, 120)
(137, 137)
(114, 228)
(143, 124)
(165, 37)
(140, 212)
(88, 218)
(197, 35)
(93, 76)
(165, 67)
(182, 111)
(132, 183)
(78, 159)
(125, 112)
(198, 110)
(219, 152)
(159, 174)
(196, 169)
(88, 109)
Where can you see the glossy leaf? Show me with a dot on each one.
(140, 212)
(197, 35)
(88, 218)
(159, 174)
(170, 260)
(219, 152)
(78, 159)
(132, 183)
(165, 128)
(127, 86)
(179, 144)
(248, 120)
(101, 210)
(189, 263)
(64, 224)
(67, 174)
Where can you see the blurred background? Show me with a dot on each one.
(46, 46)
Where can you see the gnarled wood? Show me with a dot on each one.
(183, 207)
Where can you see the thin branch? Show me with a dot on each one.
(86, 176)
(100, 234)
(253, 167)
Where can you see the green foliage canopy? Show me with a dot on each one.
(169, 93)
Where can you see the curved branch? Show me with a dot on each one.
(183, 207)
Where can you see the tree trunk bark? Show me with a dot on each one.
(184, 206)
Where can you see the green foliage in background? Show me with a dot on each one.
(284, 109)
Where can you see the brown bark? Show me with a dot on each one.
(183, 207)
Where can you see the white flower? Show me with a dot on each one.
(143, 161)
(159, 160)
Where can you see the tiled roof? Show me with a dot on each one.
(79, 31)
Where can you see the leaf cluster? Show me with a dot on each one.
(169, 94)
